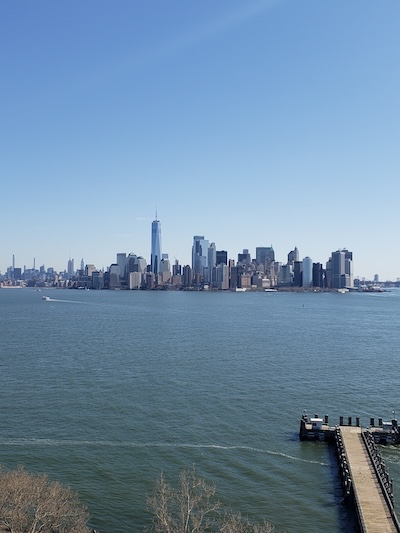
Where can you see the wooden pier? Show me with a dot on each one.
(371, 490)
(364, 475)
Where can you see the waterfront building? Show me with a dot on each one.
(285, 275)
(187, 276)
(122, 263)
(307, 272)
(176, 280)
(114, 276)
(135, 280)
(17, 273)
(245, 281)
(297, 274)
(341, 269)
(318, 275)
(236, 277)
(155, 246)
(221, 276)
(97, 280)
(150, 280)
(165, 269)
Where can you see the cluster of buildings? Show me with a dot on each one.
(210, 269)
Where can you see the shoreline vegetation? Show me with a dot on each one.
(31, 503)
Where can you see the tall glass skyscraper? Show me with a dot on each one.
(199, 254)
(155, 246)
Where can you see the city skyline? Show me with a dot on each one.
(250, 122)
(210, 269)
(200, 258)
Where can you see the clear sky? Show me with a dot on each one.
(251, 122)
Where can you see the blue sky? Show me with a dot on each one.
(251, 122)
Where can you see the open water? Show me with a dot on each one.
(103, 390)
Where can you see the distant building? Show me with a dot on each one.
(297, 274)
(114, 276)
(341, 269)
(122, 263)
(318, 275)
(155, 246)
(176, 268)
(264, 253)
(89, 269)
(165, 269)
(212, 257)
(285, 275)
(293, 256)
(130, 263)
(187, 277)
(70, 268)
(199, 255)
(307, 272)
(244, 258)
(221, 257)
(135, 280)
(97, 280)
(221, 277)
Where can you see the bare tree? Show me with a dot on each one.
(193, 508)
(30, 503)
(190, 509)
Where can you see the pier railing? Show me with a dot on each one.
(385, 482)
(345, 470)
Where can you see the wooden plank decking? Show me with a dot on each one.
(369, 499)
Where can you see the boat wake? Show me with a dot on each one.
(120, 444)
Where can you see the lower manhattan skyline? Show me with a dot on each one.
(210, 268)
(250, 123)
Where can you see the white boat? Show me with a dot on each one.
(270, 290)
(46, 298)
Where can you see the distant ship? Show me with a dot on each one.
(46, 298)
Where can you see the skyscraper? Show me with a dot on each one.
(293, 256)
(199, 254)
(70, 268)
(155, 246)
(122, 263)
(263, 253)
(342, 269)
(307, 272)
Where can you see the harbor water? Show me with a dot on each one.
(103, 390)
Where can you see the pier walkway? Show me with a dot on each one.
(373, 508)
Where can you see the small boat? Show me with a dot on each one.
(46, 298)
